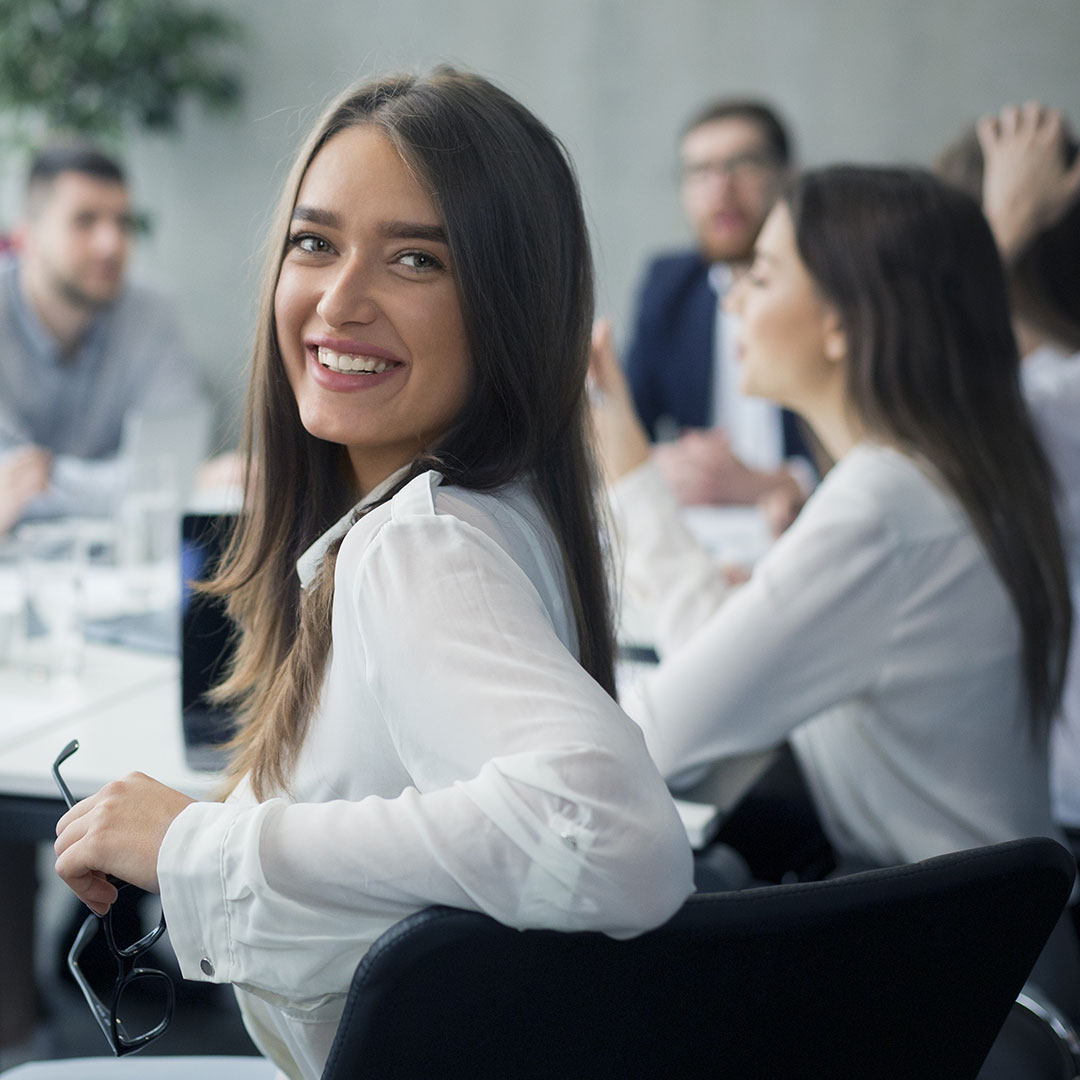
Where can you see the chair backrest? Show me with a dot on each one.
(904, 972)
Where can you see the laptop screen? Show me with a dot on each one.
(206, 640)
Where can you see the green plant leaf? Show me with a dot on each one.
(97, 66)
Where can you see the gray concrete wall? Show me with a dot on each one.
(869, 80)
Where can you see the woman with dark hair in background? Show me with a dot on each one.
(907, 635)
(416, 727)
(1024, 166)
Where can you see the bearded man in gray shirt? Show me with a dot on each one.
(78, 347)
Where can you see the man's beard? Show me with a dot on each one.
(732, 251)
(74, 294)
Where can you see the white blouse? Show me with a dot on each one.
(1051, 381)
(875, 633)
(459, 755)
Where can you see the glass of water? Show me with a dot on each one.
(51, 568)
(148, 532)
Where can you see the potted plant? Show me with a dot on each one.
(101, 67)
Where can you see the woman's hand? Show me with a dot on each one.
(1026, 184)
(116, 832)
(622, 444)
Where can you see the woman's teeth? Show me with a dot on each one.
(369, 365)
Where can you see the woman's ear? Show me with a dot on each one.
(835, 337)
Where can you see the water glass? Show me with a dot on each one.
(51, 561)
(148, 531)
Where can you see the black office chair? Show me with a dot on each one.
(904, 972)
(1037, 1042)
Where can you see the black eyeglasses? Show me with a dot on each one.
(741, 167)
(144, 995)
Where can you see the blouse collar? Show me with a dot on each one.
(307, 565)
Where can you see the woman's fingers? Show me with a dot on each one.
(117, 831)
(1026, 184)
(604, 371)
(94, 890)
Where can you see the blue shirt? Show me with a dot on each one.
(132, 355)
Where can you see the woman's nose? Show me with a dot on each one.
(347, 297)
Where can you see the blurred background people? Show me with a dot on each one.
(717, 446)
(79, 346)
(1023, 165)
(903, 643)
(80, 349)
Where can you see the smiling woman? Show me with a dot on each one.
(425, 662)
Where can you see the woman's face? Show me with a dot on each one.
(366, 310)
(789, 338)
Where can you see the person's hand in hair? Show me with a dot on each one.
(621, 442)
(1027, 186)
(24, 473)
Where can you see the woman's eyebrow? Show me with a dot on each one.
(412, 230)
(314, 216)
(389, 230)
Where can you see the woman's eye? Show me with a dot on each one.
(314, 245)
(419, 260)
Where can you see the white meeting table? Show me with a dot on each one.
(124, 710)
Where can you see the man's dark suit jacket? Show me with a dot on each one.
(670, 360)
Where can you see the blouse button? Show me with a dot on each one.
(206, 967)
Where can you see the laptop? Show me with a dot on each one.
(206, 641)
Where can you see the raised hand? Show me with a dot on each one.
(1027, 186)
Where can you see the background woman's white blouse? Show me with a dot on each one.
(876, 634)
(1051, 381)
(459, 755)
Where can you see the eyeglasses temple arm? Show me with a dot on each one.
(60, 782)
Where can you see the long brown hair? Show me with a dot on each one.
(510, 204)
(911, 266)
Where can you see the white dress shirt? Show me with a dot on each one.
(875, 634)
(459, 755)
(1051, 381)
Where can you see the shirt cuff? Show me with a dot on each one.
(196, 864)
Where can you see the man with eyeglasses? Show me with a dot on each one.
(717, 446)
(79, 347)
